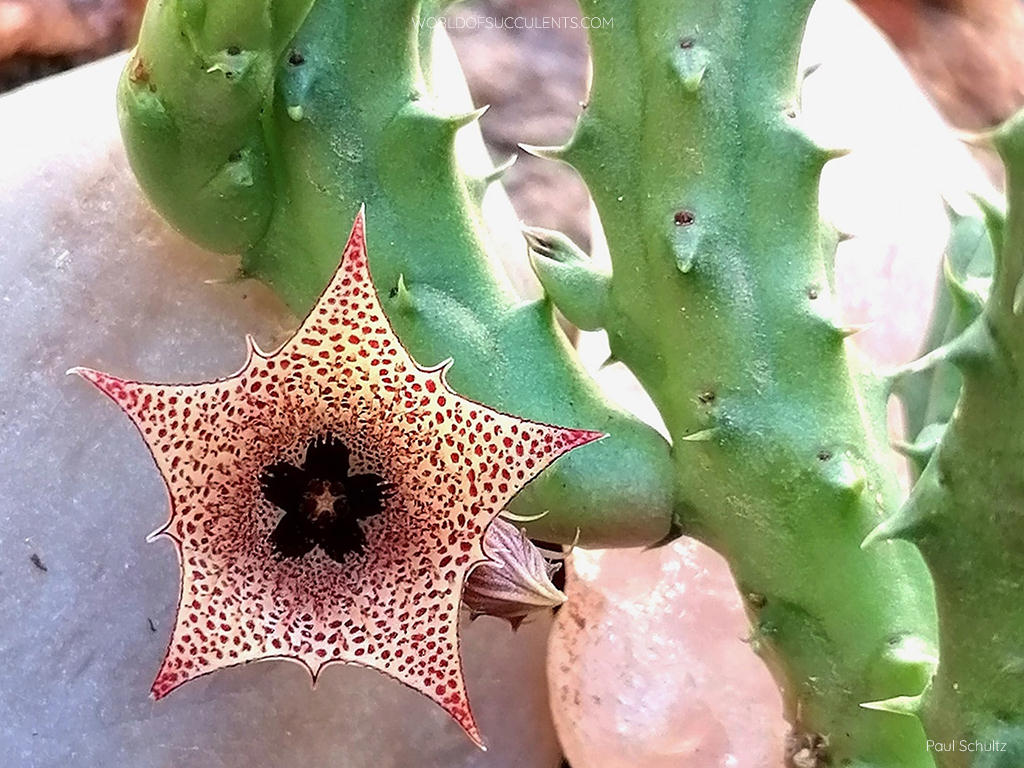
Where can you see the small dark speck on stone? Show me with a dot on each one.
(707, 397)
(686, 43)
(296, 59)
(812, 292)
(234, 50)
(152, 626)
(235, 156)
(393, 292)
(38, 563)
(824, 455)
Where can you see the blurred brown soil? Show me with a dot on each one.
(535, 79)
(967, 54)
(41, 37)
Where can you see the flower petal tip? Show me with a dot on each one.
(463, 716)
(118, 389)
(581, 437)
(90, 375)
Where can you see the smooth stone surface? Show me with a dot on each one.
(89, 275)
(648, 664)
(649, 668)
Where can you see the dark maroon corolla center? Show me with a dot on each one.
(322, 503)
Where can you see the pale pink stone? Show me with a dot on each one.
(650, 669)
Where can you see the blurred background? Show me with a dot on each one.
(967, 55)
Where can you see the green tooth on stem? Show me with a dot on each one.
(260, 129)
(929, 396)
(707, 190)
(966, 513)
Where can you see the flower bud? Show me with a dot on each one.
(515, 582)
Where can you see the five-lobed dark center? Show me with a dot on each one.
(322, 503)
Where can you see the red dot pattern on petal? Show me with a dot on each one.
(454, 464)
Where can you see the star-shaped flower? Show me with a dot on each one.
(329, 499)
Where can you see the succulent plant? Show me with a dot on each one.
(261, 131)
(719, 300)
(965, 511)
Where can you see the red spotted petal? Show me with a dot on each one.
(391, 600)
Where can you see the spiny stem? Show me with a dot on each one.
(707, 190)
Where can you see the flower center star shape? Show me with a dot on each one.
(322, 503)
(329, 500)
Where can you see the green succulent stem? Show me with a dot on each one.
(261, 129)
(966, 513)
(719, 300)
